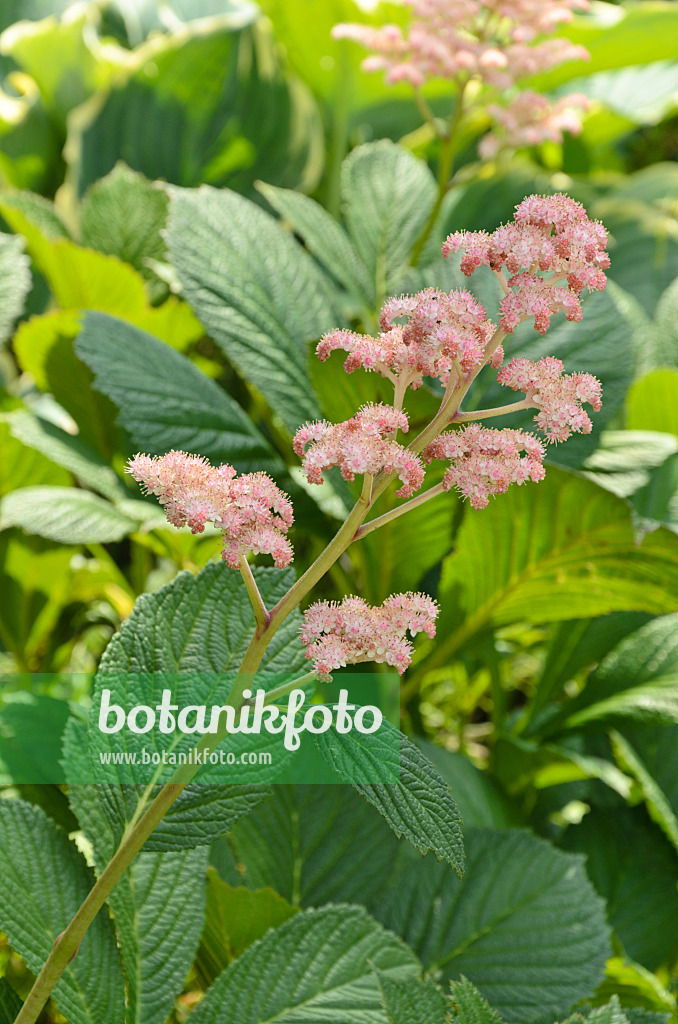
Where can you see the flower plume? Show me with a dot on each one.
(351, 631)
(558, 396)
(250, 510)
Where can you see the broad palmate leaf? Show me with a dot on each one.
(524, 924)
(315, 967)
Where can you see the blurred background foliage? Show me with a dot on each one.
(550, 698)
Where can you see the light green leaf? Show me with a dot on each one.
(641, 93)
(419, 807)
(315, 845)
(388, 195)
(652, 402)
(258, 294)
(64, 514)
(43, 881)
(662, 342)
(314, 967)
(566, 533)
(67, 451)
(524, 924)
(123, 215)
(235, 918)
(624, 460)
(21, 466)
(15, 283)
(164, 400)
(410, 1001)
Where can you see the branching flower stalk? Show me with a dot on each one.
(432, 335)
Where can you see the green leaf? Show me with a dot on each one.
(184, 637)
(524, 924)
(315, 845)
(661, 343)
(10, 1004)
(67, 451)
(388, 195)
(258, 294)
(43, 881)
(481, 802)
(640, 93)
(31, 727)
(633, 867)
(164, 400)
(252, 121)
(419, 807)
(123, 215)
(563, 533)
(409, 1001)
(652, 402)
(313, 967)
(469, 1005)
(64, 514)
(235, 918)
(657, 802)
(15, 283)
(325, 238)
(625, 459)
(637, 681)
(21, 466)
(158, 905)
(640, 987)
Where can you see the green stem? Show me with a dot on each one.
(258, 606)
(500, 410)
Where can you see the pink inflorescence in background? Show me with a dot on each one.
(423, 335)
(351, 631)
(359, 446)
(251, 510)
(556, 395)
(484, 461)
(497, 41)
(549, 234)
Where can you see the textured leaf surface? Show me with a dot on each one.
(164, 400)
(524, 924)
(481, 802)
(314, 967)
(183, 637)
(235, 918)
(469, 1005)
(565, 533)
(315, 845)
(324, 237)
(123, 215)
(65, 514)
(419, 808)
(409, 1001)
(15, 282)
(43, 881)
(388, 195)
(256, 291)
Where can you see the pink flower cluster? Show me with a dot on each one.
(494, 39)
(251, 510)
(336, 635)
(423, 335)
(549, 234)
(498, 41)
(531, 119)
(556, 395)
(361, 445)
(484, 462)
